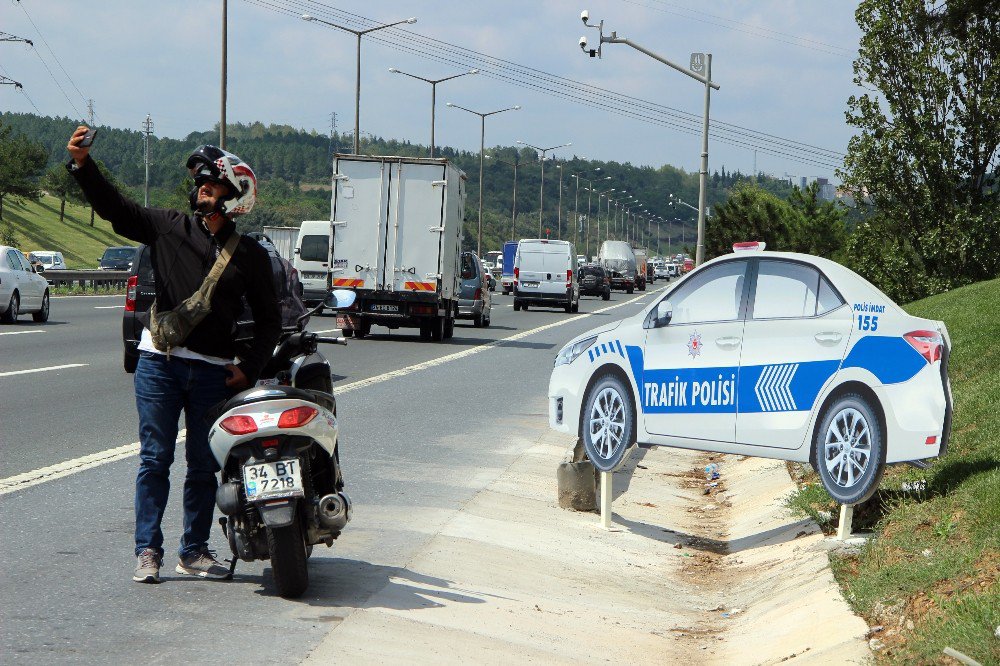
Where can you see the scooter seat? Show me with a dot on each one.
(260, 394)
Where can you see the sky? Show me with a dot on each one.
(784, 68)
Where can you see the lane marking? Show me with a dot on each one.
(378, 379)
(64, 469)
(53, 367)
(329, 330)
(108, 307)
(37, 330)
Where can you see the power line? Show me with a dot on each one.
(56, 58)
(739, 26)
(552, 84)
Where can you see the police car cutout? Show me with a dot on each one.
(771, 354)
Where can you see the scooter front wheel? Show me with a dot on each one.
(287, 547)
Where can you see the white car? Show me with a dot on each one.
(50, 260)
(769, 354)
(21, 289)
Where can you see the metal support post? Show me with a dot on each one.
(846, 518)
(606, 479)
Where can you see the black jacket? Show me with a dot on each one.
(183, 252)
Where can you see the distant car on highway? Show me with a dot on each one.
(117, 258)
(661, 270)
(488, 276)
(21, 289)
(474, 300)
(594, 281)
(771, 354)
(49, 259)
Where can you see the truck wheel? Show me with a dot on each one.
(363, 330)
(629, 290)
(607, 423)
(437, 329)
(642, 287)
(348, 332)
(425, 332)
(517, 305)
(449, 328)
(849, 450)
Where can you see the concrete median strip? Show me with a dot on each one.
(680, 578)
(68, 467)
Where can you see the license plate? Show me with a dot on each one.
(529, 284)
(272, 480)
(391, 308)
(309, 275)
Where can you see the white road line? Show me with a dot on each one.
(59, 470)
(52, 367)
(63, 469)
(377, 379)
(108, 307)
(37, 330)
(329, 330)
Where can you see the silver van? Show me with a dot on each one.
(544, 274)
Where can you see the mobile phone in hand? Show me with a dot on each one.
(88, 138)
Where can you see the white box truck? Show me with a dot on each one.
(397, 232)
(283, 239)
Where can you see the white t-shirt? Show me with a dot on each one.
(146, 344)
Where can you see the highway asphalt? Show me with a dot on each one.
(416, 446)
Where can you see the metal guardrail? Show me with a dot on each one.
(95, 279)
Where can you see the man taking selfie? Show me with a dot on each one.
(202, 271)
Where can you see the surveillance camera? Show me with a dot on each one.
(584, 16)
(583, 43)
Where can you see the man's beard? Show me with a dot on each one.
(205, 205)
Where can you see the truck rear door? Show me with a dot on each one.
(415, 227)
(360, 210)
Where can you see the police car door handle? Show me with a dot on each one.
(728, 343)
(828, 337)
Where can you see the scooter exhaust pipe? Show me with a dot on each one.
(334, 510)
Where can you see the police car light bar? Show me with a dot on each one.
(749, 246)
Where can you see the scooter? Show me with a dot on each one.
(282, 490)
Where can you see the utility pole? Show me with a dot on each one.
(147, 129)
(333, 132)
(225, 33)
(90, 112)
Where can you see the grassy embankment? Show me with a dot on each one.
(931, 575)
(36, 226)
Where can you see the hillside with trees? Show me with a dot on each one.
(294, 166)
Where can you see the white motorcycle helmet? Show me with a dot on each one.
(219, 166)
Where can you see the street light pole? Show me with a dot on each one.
(576, 211)
(482, 150)
(541, 188)
(699, 62)
(357, 80)
(559, 214)
(433, 83)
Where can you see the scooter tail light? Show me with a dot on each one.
(240, 424)
(297, 417)
(927, 343)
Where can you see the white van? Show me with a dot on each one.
(312, 259)
(545, 273)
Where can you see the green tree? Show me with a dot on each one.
(820, 229)
(751, 213)
(926, 156)
(21, 163)
(59, 183)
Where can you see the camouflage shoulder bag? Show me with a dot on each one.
(170, 329)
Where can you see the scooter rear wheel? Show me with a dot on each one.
(289, 568)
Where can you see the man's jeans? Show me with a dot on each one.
(163, 388)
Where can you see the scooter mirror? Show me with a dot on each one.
(340, 298)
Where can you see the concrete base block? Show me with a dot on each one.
(577, 483)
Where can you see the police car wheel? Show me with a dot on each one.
(849, 450)
(607, 423)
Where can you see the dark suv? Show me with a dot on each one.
(138, 299)
(594, 281)
(118, 258)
